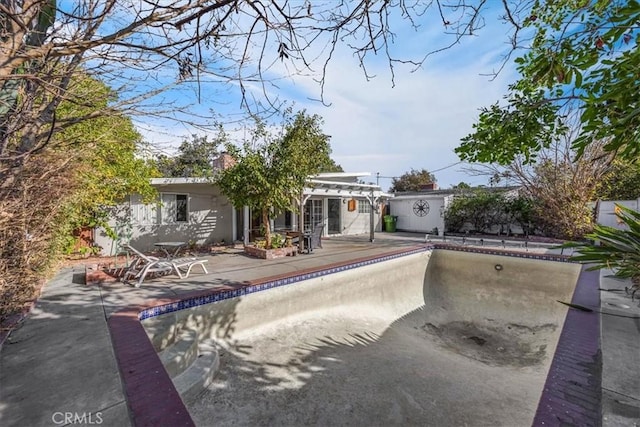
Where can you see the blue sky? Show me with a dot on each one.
(375, 127)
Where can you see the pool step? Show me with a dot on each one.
(180, 356)
(201, 373)
(162, 331)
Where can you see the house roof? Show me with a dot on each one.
(330, 175)
(178, 181)
(451, 191)
(333, 184)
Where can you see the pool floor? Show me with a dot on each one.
(359, 366)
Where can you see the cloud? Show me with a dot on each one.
(416, 124)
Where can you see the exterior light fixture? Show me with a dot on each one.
(498, 267)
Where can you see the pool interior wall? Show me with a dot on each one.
(430, 338)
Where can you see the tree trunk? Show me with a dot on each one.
(267, 227)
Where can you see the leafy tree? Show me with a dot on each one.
(560, 183)
(413, 180)
(271, 170)
(329, 165)
(195, 157)
(106, 165)
(621, 182)
(461, 186)
(583, 56)
(522, 211)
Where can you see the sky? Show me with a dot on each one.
(382, 128)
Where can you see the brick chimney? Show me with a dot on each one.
(223, 161)
(429, 187)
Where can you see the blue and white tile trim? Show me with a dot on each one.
(515, 254)
(249, 289)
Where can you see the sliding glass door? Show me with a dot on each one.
(333, 216)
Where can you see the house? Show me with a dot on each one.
(195, 210)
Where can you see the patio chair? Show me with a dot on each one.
(144, 264)
(314, 239)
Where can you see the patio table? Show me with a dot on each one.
(173, 246)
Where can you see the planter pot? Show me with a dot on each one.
(271, 253)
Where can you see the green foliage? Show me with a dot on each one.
(413, 180)
(103, 152)
(622, 182)
(461, 186)
(613, 248)
(195, 157)
(482, 209)
(271, 171)
(329, 165)
(584, 55)
(562, 197)
(278, 241)
(522, 210)
(524, 127)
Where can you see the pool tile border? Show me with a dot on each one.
(153, 399)
(503, 252)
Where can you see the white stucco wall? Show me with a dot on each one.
(210, 219)
(358, 222)
(403, 208)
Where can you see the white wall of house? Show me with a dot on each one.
(195, 211)
(408, 211)
(357, 221)
(206, 218)
(607, 215)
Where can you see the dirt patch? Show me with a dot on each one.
(512, 345)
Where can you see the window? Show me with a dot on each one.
(364, 206)
(142, 213)
(175, 208)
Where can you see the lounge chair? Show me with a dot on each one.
(146, 264)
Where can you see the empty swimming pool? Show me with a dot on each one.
(432, 338)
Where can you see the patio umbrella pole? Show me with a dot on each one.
(371, 218)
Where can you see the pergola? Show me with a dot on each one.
(328, 188)
(339, 185)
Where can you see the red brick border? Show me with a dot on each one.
(572, 393)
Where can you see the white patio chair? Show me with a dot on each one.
(145, 264)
